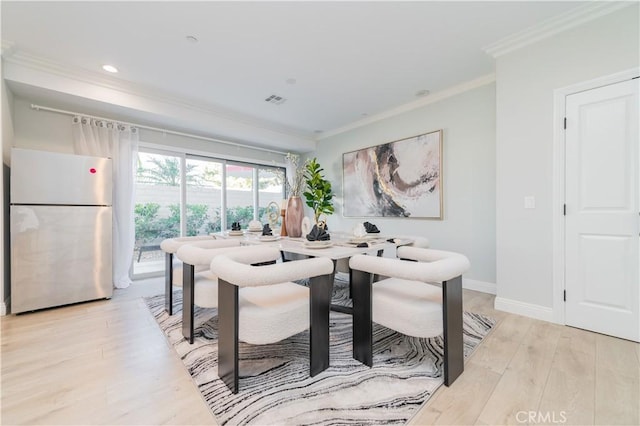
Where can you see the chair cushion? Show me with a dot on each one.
(409, 307)
(271, 313)
(205, 293)
(177, 272)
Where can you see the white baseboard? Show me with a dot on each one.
(481, 286)
(3, 309)
(525, 309)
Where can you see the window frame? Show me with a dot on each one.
(184, 154)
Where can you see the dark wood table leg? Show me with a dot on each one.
(362, 325)
(453, 340)
(168, 283)
(320, 288)
(228, 334)
(335, 308)
(340, 308)
(188, 301)
(346, 309)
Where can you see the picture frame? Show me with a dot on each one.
(402, 178)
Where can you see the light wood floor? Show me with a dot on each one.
(107, 362)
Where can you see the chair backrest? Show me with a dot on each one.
(429, 266)
(234, 268)
(202, 252)
(171, 245)
(249, 255)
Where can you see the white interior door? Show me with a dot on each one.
(602, 277)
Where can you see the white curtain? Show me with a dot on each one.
(101, 138)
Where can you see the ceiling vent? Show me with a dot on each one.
(275, 99)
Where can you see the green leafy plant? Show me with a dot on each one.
(196, 217)
(235, 214)
(146, 221)
(318, 192)
(150, 227)
(243, 215)
(165, 171)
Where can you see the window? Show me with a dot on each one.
(240, 192)
(270, 194)
(204, 196)
(157, 209)
(249, 191)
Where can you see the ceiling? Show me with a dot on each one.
(334, 62)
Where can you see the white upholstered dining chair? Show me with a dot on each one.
(201, 288)
(422, 297)
(260, 305)
(173, 267)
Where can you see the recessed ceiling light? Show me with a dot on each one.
(192, 39)
(423, 92)
(110, 68)
(291, 81)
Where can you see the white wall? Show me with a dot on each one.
(41, 130)
(526, 80)
(468, 122)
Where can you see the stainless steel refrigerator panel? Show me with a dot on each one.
(59, 255)
(40, 177)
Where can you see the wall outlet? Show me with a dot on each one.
(529, 202)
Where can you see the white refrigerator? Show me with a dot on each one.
(61, 244)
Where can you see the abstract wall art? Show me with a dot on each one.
(396, 179)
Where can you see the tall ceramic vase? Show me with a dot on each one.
(293, 217)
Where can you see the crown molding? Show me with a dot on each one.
(429, 99)
(555, 25)
(152, 94)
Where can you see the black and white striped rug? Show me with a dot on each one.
(275, 387)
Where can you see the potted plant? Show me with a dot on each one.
(318, 190)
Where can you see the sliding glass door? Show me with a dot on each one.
(157, 208)
(204, 196)
(270, 195)
(180, 194)
(240, 181)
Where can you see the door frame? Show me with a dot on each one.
(558, 197)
